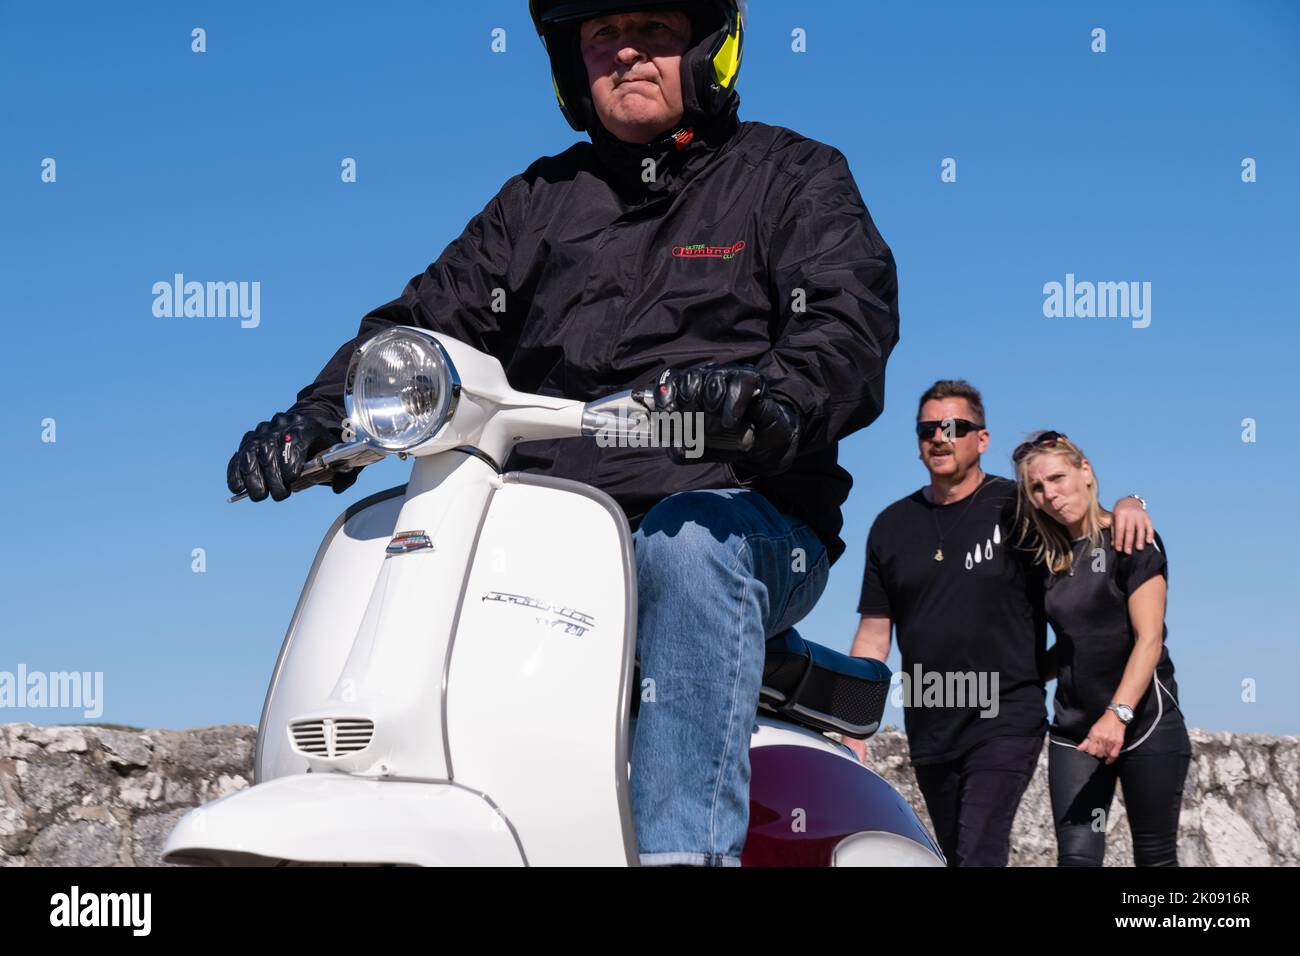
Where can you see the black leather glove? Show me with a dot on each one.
(271, 457)
(732, 398)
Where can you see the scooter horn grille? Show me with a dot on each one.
(331, 736)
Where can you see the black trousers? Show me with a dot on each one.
(973, 799)
(1152, 775)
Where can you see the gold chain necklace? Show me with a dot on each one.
(938, 552)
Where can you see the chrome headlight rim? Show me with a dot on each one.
(449, 401)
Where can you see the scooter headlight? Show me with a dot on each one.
(401, 388)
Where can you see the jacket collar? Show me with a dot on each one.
(678, 156)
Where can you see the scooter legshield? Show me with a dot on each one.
(535, 701)
(324, 625)
(537, 691)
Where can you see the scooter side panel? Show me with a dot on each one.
(540, 670)
(324, 625)
(809, 806)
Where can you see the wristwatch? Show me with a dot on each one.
(1124, 712)
(1142, 501)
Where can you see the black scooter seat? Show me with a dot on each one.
(818, 688)
(822, 689)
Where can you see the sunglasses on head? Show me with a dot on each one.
(960, 427)
(1045, 440)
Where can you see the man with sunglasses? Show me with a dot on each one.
(944, 569)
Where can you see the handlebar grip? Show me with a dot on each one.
(725, 443)
(312, 473)
(341, 457)
(745, 443)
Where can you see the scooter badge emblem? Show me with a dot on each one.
(405, 542)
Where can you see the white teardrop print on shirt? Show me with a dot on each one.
(988, 549)
(968, 561)
(997, 535)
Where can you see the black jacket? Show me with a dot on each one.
(750, 244)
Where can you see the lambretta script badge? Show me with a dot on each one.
(569, 620)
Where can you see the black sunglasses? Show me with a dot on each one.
(1044, 440)
(960, 427)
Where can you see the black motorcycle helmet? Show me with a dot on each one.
(709, 66)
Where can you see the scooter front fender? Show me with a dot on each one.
(339, 819)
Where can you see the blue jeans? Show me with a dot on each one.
(718, 573)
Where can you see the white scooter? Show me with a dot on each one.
(456, 681)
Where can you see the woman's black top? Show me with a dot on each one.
(1088, 611)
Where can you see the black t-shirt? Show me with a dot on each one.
(1094, 637)
(979, 612)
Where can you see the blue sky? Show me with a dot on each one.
(1115, 166)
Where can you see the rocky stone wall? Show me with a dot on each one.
(1240, 803)
(98, 796)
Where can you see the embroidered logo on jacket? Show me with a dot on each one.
(704, 251)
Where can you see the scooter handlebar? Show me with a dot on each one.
(625, 411)
(341, 457)
(646, 396)
(622, 411)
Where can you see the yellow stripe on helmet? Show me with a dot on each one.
(726, 63)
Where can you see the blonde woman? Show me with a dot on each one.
(1116, 713)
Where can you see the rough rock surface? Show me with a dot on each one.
(95, 796)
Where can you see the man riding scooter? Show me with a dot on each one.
(733, 267)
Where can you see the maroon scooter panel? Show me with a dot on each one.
(803, 802)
